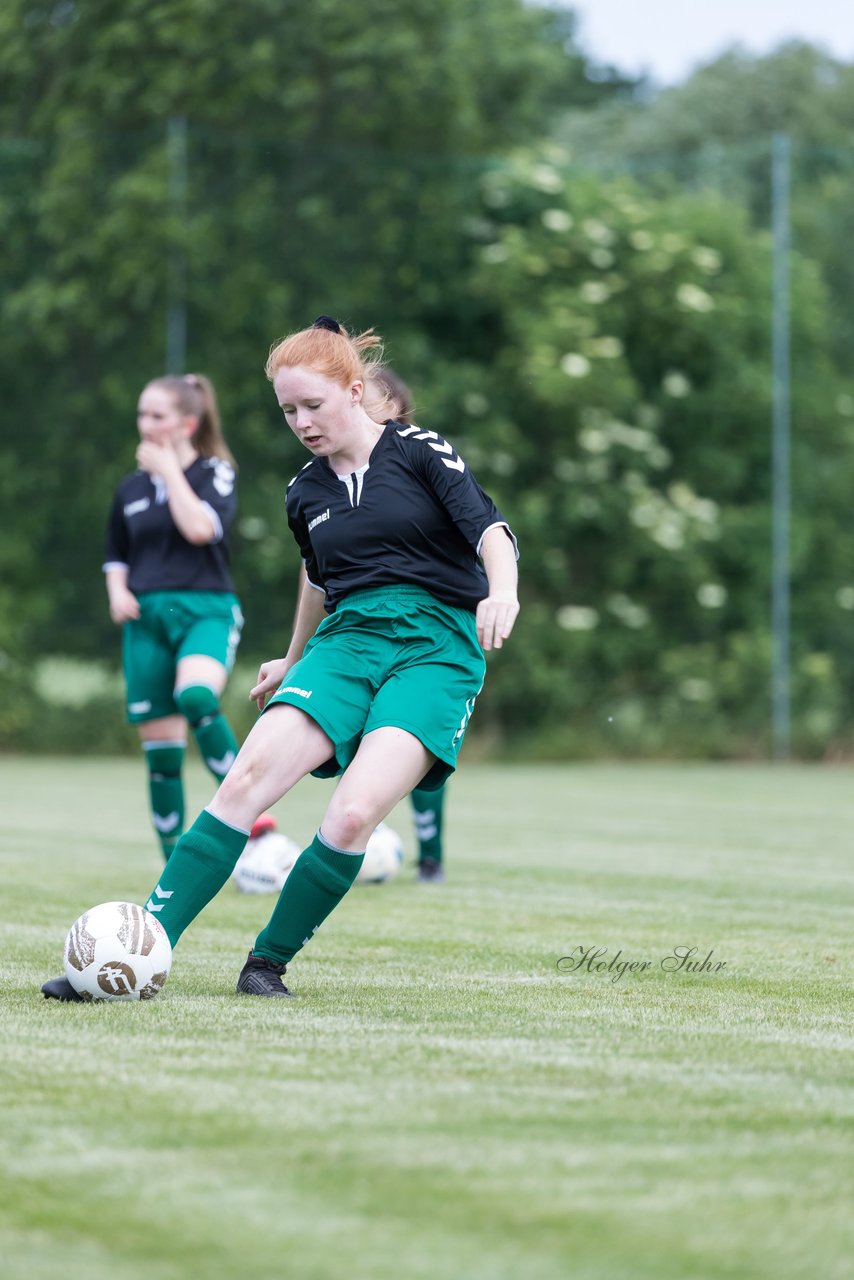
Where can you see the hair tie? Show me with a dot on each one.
(192, 379)
(326, 322)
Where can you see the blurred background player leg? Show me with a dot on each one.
(214, 735)
(165, 759)
(428, 811)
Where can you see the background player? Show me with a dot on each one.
(170, 588)
(388, 396)
(427, 806)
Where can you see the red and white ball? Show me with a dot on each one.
(265, 863)
(117, 951)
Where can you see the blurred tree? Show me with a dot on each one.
(618, 348)
(331, 155)
(598, 349)
(714, 132)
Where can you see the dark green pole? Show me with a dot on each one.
(781, 450)
(176, 285)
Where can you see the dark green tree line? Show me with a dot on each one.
(597, 347)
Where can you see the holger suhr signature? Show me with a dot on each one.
(678, 960)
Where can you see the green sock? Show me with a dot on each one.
(318, 881)
(203, 860)
(427, 811)
(216, 742)
(166, 791)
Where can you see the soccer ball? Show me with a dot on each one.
(117, 951)
(383, 857)
(265, 863)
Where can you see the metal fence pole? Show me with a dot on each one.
(176, 266)
(780, 452)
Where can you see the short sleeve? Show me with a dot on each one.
(217, 489)
(469, 507)
(299, 528)
(116, 545)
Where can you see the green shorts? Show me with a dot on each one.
(390, 656)
(174, 625)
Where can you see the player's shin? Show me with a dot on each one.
(166, 791)
(319, 880)
(427, 811)
(203, 860)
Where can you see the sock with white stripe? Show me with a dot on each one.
(427, 811)
(166, 791)
(203, 860)
(318, 881)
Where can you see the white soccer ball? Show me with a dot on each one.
(265, 863)
(383, 857)
(117, 951)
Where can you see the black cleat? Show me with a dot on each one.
(61, 989)
(431, 871)
(262, 977)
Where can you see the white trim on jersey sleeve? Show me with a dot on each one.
(499, 524)
(298, 474)
(113, 564)
(313, 585)
(215, 520)
(224, 476)
(437, 443)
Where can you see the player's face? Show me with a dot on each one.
(158, 418)
(317, 410)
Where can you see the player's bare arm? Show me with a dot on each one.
(497, 612)
(187, 509)
(310, 613)
(124, 606)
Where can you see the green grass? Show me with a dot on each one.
(441, 1101)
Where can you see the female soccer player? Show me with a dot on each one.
(392, 528)
(170, 589)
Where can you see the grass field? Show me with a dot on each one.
(442, 1100)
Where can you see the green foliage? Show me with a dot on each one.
(597, 347)
(327, 172)
(715, 131)
(622, 414)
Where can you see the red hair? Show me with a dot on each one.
(336, 356)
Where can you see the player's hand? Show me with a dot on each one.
(270, 676)
(124, 606)
(495, 617)
(157, 459)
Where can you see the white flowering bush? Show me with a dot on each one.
(625, 357)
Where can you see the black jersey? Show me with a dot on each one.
(142, 535)
(414, 515)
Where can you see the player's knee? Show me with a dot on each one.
(349, 823)
(164, 759)
(198, 703)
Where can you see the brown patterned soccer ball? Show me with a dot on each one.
(117, 951)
